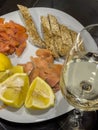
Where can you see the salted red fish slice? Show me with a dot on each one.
(45, 68)
(13, 36)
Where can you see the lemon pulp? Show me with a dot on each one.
(40, 95)
(14, 89)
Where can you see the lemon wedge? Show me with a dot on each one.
(5, 62)
(39, 95)
(14, 89)
(7, 73)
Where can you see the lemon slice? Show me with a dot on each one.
(7, 73)
(5, 62)
(14, 89)
(40, 95)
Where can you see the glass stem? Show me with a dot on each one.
(78, 115)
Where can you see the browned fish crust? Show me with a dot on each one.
(31, 28)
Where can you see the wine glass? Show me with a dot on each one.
(79, 77)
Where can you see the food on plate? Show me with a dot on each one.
(28, 67)
(66, 40)
(15, 81)
(13, 37)
(35, 82)
(14, 89)
(30, 25)
(2, 20)
(9, 72)
(57, 37)
(5, 62)
(39, 95)
(16, 69)
(62, 37)
(55, 29)
(43, 66)
(7, 69)
(47, 35)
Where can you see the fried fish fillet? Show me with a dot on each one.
(30, 25)
(56, 37)
(48, 36)
(54, 25)
(66, 39)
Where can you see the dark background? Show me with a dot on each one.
(86, 12)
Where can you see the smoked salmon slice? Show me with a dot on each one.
(13, 37)
(45, 69)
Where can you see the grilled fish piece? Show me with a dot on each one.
(31, 28)
(66, 40)
(54, 25)
(48, 36)
(56, 37)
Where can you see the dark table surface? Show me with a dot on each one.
(86, 12)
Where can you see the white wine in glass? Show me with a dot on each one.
(79, 78)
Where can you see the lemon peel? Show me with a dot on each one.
(40, 95)
(5, 62)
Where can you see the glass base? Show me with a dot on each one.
(79, 120)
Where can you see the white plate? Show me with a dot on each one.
(61, 106)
